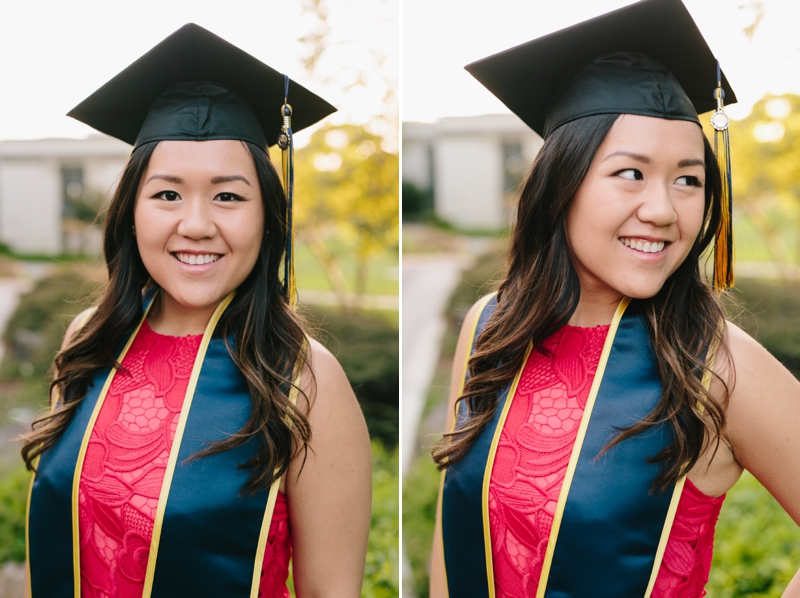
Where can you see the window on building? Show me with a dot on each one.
(514, 166)
(72, 192)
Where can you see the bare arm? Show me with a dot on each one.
(438, 587)
(330, 496)
(763, 422)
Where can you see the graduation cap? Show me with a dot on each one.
(648, 58)
(195, 86)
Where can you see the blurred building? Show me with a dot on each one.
(470, 165)
(52, 189)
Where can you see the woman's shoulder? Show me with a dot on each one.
(324, 380)
(322, 361)
(756, 380)
(77, 323)
(470, 323)
(748, 357)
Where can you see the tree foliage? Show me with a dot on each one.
(347, 185)
(765, 156)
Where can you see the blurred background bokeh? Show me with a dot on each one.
(57, 175)
(463, 157)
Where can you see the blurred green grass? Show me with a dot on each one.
(383, 278)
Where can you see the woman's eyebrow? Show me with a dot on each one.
(646, 160)
(631, 155)
(227, 179)
(694, 162)
(166, 177)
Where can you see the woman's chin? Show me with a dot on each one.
(183, 301)
(642, 289)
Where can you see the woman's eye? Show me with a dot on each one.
(630, 174)
(227, 197)
(168, 196)
(690, 181)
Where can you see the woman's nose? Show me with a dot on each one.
(197, 221)
(656, 207)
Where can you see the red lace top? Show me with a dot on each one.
(531, 461)
(124, 469)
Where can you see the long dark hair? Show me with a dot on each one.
(270, 337)
(541, 291)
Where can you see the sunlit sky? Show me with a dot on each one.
(55, 53)
(441, 36)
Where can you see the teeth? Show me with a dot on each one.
(193, 259)
(643, 246)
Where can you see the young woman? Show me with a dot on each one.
(603, 406)
(198, 439)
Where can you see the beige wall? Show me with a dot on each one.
(468, 162)
(31, 188)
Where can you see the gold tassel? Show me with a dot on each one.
(723, 246)
(286, 143)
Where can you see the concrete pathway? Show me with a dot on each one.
(428, 282)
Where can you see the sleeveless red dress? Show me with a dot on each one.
(531, 462)
(124, 470)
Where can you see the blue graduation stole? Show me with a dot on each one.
(207, 540)
(609, 531)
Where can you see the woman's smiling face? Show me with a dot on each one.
(199, 220)
(640, 208)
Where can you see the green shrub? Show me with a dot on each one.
(757, 545)
(416, 202)
(35, 331)
(13, 500)
(772, 316)
(367, 346)
(420, 492)
(381, 576)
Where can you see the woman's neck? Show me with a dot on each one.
(169, 317)
(594, 309)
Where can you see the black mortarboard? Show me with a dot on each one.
(195, 85)
(648, 58)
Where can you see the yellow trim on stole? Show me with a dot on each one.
(28, 590)
(576, 449)
(76, 479)
(176, 445)
(487, 475)
(676, 494)
(451, 424)
(273, 493)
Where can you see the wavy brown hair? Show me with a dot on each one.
(541, 291)
(270, 338)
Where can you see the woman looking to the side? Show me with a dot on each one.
(226, 441)
(603, 405)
